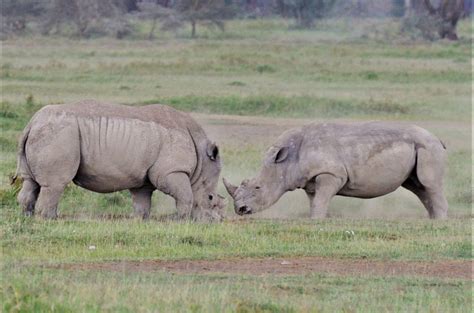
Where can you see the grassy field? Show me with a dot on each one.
(245, 86)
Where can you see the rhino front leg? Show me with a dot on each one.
(326, 186)
(141, 198)
(178, 186)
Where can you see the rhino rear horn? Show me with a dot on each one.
(229, 187)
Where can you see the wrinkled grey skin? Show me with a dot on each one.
(362, 160)
(105, 148)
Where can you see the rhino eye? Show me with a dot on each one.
(210, 197)
(257, 187)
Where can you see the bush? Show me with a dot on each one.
(421, 26)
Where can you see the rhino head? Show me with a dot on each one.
(204, 185)
(212, 211)
(280, 172)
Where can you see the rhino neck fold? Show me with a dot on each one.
(197, 170)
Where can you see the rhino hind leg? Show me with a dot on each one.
(53, 155)
(141, 198)
(47, 204)
(434, 201)
(426, 182)
(439, 204)
(326, 186)
(28, 195)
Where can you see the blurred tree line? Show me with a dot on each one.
(86, 18)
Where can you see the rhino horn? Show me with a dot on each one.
(229, 187)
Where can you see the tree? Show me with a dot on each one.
(16, 13)
(82, 13)
(448, 12)
(154, 11)
(207, 12)
(441, 20)
(305, 11)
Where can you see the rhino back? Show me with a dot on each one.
(167, 117)
(358, 142)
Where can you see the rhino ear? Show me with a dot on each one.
(282, 155)
(212, 151)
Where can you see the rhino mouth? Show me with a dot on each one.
(244, 210)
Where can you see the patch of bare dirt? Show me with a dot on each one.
(289, 266)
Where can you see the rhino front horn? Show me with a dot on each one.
(229, 187)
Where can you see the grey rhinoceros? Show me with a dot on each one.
(362, 160)
(107, 147)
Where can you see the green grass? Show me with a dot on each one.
(88, 291)
(270, 64)
(269, 78)
(66, 241)
(28, 245)
(299, 106)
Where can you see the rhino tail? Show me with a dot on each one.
(22, 168)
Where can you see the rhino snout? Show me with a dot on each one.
(243, 210)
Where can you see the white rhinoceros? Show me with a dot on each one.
(362, 160)
(107, 147)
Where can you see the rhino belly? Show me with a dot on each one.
(373, 173)
(108, 179)
(115, 154)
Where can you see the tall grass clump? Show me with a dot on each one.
(298, 106)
